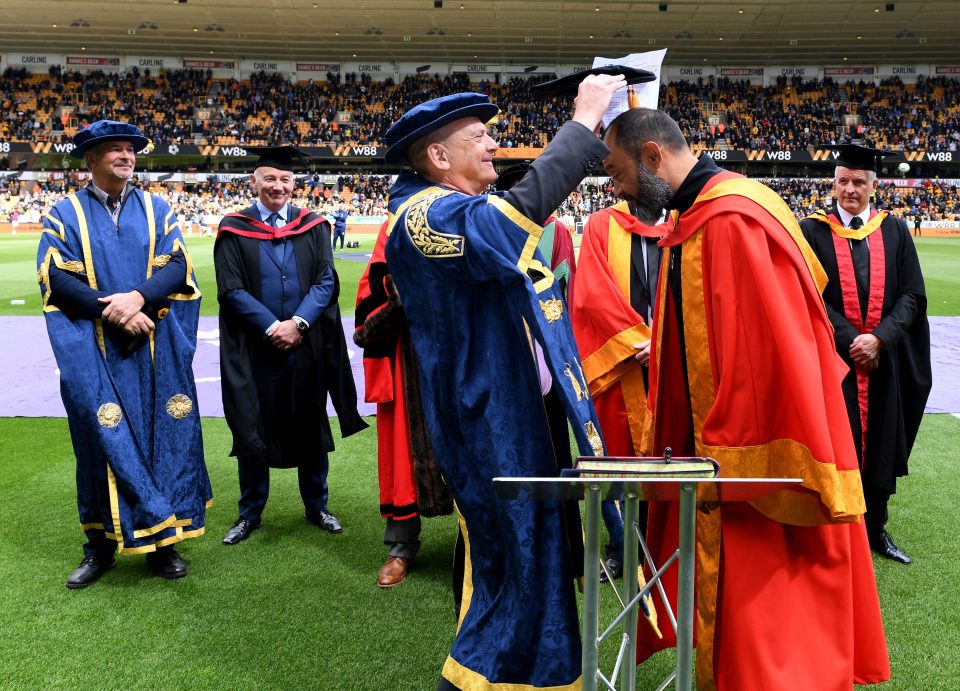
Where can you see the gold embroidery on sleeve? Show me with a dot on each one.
(74, 266)
(577, 388)
(431, 243)
(593, 436)
(160, 261)
(552, 309)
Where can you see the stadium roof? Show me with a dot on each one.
(534, 32)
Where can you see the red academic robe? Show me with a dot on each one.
(607, 327)
(785, 594)
(384, 385)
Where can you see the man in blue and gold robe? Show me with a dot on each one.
(121, 305)
(478, 295)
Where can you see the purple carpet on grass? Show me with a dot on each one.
(945, 359)
(31, 385)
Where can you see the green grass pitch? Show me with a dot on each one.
(294, 607)
(939, 257)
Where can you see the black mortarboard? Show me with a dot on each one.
(511, 176)
(567, 86)
(859, 157)
(279, 157)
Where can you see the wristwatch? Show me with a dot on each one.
(302, 326)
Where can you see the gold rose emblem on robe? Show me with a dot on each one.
(109, 415)
(179, 406)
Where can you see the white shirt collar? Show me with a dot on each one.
(283, 213)
(846, 217)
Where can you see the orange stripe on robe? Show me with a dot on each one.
(786, 596)
(607, 327)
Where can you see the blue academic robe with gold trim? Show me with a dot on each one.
(477, 292)
(131, 403)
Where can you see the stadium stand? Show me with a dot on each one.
(190, 105)
(721, 114)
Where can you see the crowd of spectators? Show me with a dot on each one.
(181, 105)
(203, 204)
(191, 105)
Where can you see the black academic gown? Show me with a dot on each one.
(898, 388)
(321, 364)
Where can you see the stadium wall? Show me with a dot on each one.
(240, 68)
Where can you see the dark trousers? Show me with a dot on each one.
(338, 234)
(255, 486)
(98, 544)
(402, 537)
(876, 500)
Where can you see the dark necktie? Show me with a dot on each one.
(274, 220)
(860, 252)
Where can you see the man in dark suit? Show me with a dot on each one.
(281, 344)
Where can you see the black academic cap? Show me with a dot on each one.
(859, 157)
(567, 86)
(279, 157)
(511, 176)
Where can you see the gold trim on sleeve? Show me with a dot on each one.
(151, 231)
(58, 223)
(88, 262)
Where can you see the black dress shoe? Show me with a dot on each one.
(89, 571)
(883, 544)
(614, 568)
(325, 520)
(240, 531)
(166, 563)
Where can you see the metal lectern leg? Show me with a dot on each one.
(631, 511)
(687, 568)
(591, 586)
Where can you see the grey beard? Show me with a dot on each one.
(653, 195)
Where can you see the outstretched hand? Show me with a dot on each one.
(593, 98)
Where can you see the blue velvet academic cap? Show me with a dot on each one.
(431, 115)
(107, 131)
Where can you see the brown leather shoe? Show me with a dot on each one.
(393, 573)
